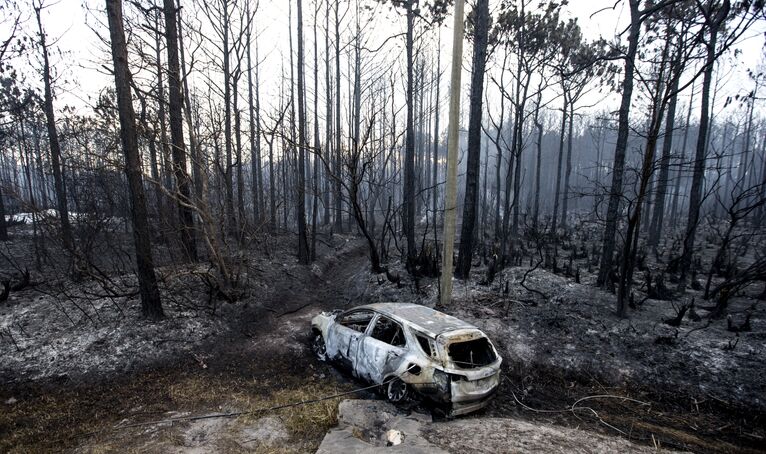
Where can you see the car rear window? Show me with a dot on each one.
(472, 354)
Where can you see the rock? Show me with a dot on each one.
(373, 426)
(394, 437)
(11, 401)
(490, 435)
(267, 431)
(203, 432)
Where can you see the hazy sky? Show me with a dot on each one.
(70, 21)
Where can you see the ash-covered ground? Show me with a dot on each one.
(59, 331)
(78, 366)
(697, 384)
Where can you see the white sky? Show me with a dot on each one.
(69, 20)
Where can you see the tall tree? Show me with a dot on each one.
(317, 144)
(437, 9)
(655, 228)
(637, 17)
(338, 126)
(194, 148)
(254, 116)
(480, 16)
(219, 14)
(328, 110)
(408, 194)
(151, 305)
(623, 129)
(661, 93)
(714, 15)
(435, 165)
(53, 136)
(183, 182)
(303, 246)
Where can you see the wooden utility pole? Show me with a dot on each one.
(453, 142)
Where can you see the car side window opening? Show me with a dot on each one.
(388, 331)
(357, 320)
(425, 345)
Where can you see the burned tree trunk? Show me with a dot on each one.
(151, 305)
(338, 128)
(183, 183)
(465, 250)
(695, 197)
(194, 148)
(254, 111)
(560, 163)
(615, 192)
(3, 226)
(231, 220)
(655, 229)
(303, 246)
(538, 161)
(568, 169)
(53, 139)
(409, 149)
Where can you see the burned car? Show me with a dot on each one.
(410, 350)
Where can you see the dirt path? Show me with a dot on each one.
(266, 332)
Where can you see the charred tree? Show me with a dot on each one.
(408, 194)
(151, 305)
(618, 168)
(470, 205)
(303, 246)
(175, 97)
(53, 137)
(715, 18)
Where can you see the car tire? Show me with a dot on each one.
(397, 391)
(318, 346)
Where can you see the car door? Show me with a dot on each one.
(382, 350)
(345, 337)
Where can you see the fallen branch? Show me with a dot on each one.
(524, 278)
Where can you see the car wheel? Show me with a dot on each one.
(318, 347)
(397, 391)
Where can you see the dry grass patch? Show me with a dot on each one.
(56, 421)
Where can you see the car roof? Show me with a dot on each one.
(422, 318)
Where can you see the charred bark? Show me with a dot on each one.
(151, 305)
(183, 183)
(470, 205)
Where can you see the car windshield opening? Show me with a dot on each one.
(471, 354)
(357, 321)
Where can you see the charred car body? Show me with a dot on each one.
(411, 348)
